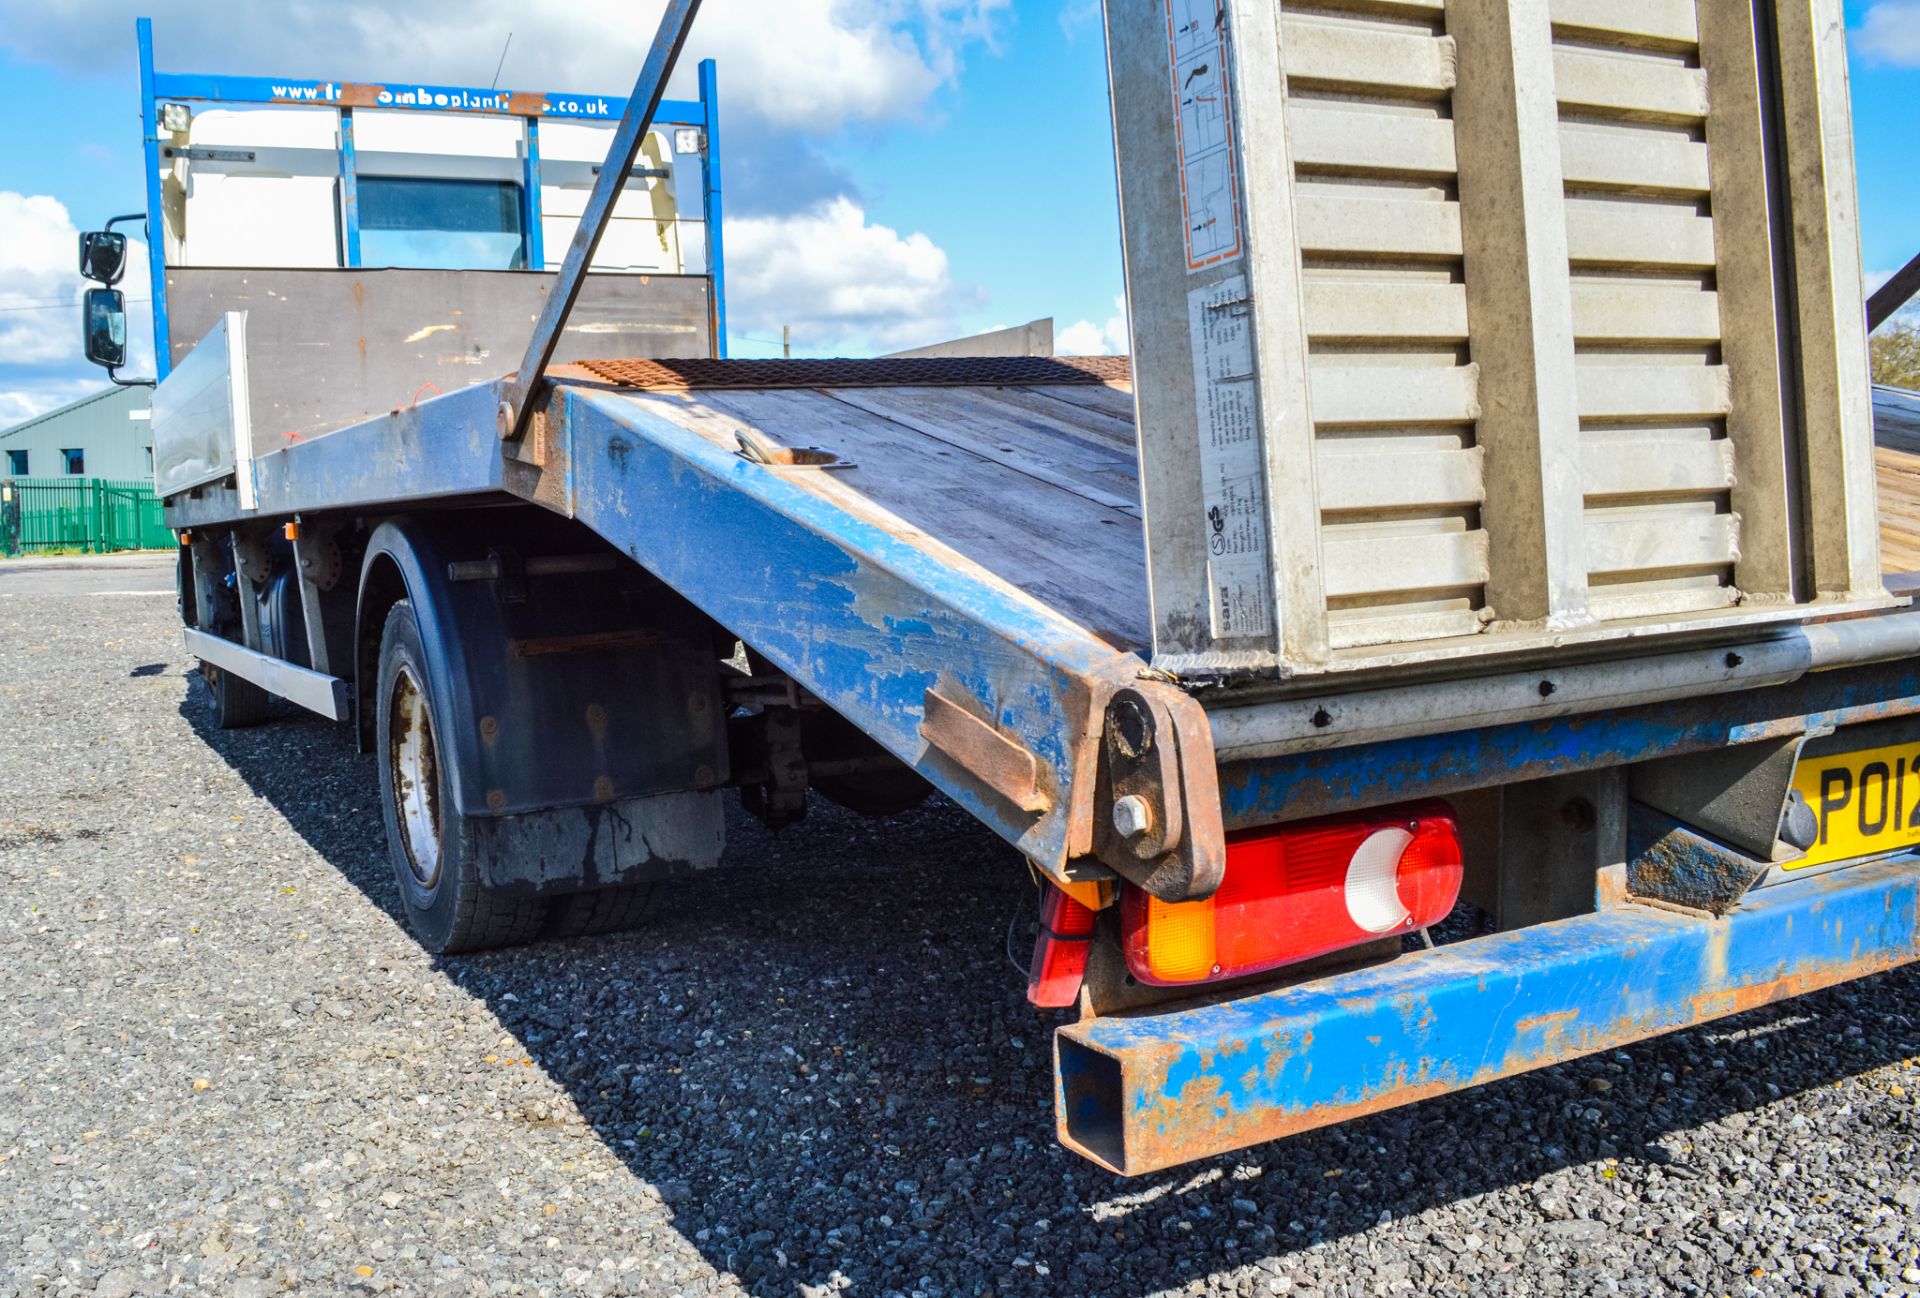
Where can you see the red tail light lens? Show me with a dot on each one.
(1060, 951)
(1295, 893)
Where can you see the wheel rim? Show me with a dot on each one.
(414, 764)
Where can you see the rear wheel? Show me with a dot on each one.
(237, 703)
(447, 902)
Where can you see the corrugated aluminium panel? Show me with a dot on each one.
(1461, 324)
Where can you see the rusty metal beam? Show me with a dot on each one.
(995, 698)
(1144, 1093)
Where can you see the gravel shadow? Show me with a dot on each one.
(821, 1060)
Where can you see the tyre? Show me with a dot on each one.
(605, 910)
(237, 703)
(448, 905)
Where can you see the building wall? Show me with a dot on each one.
(113, 444)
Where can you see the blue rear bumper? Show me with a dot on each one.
(1146, 1092)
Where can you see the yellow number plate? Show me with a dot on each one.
(1867, 802)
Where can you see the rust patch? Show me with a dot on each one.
(995, 760)
(886, 372)
(1199, 1124)
(1551, 1024)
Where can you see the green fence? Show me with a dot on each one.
(95, 515)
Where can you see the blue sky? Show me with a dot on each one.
(900, 170)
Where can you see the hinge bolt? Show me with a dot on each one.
(1132, 816)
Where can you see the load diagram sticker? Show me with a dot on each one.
(1233, 491)
(1203, 122)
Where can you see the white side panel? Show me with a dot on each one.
(277, 209)
(645, 232)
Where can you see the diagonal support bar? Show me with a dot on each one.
(1893, 294)
(516, 405)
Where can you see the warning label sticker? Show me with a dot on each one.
(1233, 491)
(1203, 122)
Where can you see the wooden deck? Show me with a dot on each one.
(1896, 425)
(1037, 483)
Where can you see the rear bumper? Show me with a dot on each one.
(1138, 1094)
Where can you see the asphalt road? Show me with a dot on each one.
(228, 1070)
(103, 574)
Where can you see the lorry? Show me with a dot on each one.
(1483, 527)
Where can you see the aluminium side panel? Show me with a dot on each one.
(1203, 160)
(333, 347)
(201, 427)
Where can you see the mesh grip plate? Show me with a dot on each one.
(885, 372)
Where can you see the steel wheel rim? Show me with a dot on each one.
(414, 764)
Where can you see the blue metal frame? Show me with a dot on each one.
(349, 192)
(1143, 1093)
(530, 213)
(156, 230)
(711, 211)
(531, 106)
(1267, 790)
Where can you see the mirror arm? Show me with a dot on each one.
(114, 378)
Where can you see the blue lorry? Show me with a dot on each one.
(1484, 526)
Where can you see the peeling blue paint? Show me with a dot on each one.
(1219, 1077)
(866, 620)
(1317, 783)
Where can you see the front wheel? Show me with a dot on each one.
(448, 904)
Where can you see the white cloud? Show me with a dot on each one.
(1890, 33)
(815, 64)
(35, 397)
(843, 283)
(1085, 338)
(1076, 16)
(40, 285)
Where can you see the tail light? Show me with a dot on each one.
(1060, 950)
(1294, 893)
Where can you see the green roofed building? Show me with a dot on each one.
(105, 435)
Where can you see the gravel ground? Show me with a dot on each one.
(227, 1070)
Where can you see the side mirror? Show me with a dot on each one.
(103, 316)
(103, 255)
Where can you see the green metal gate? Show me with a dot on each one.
(93, 515)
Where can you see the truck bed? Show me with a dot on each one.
(1035, 483)
(1025, 467)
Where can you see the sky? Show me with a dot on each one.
(897, 171)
